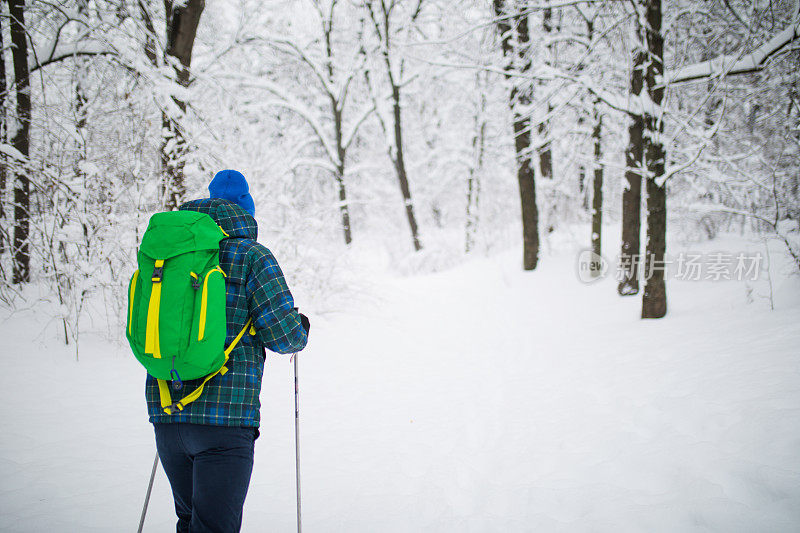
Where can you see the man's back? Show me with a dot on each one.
(207, 449)
(255, 288)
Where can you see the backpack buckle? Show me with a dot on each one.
(158, 272)
(175, 407)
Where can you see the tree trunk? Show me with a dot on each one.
(341, 154)
(81, 113)
(583, 190)
(348, 236)
(474, 177)
(654, 301)
(383, 31)
(150, 34)
(583, 187)
(3, 130)
(527, 192)
(473, 194)
(21, 141)
(522, 131)
(343, 208)
(81, 99)
(597, 186)
(341, 149)
(545, 150)
(632, 194)
(400, 166)
(182, 21)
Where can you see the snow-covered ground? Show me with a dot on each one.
(481, 398)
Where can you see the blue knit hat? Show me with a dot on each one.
(231, 185)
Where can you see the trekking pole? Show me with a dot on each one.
(297, 441)
(149, 490)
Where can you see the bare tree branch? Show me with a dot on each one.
(730, 64)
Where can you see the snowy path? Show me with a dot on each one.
(480, 399)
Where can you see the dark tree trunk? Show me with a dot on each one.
(400, 166)
(545, 151)
(522, 131)
(473, 196)
(21, 141)
(527, 192)
(150, 34)
(383, 30)
(474, 178)
(3, 130)
(341, 154)
(597, 185)
(654, 302)
(583, 190)
(81, 99)
(338, 124)
(182, 22)
(583, 187)
(348, 236)
(582, 114)
(632, 194)
(81, 113)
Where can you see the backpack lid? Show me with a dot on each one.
(177, 232)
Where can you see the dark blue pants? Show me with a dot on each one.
(209, 470)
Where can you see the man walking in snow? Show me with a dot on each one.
(207, 448)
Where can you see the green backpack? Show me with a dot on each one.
(176, 304)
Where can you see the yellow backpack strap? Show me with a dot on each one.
(166, 399)
(151, 342)
(131, 294)
(233, 344)
(163, 388)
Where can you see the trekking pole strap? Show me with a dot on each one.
(163, 389)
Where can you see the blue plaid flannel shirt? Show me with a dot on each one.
(255, 288)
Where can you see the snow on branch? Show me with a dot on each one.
(736, 63)
(303, 112)
(775, 225)
(82, 48)
(10, 151)
(672, 170)
(292, 48)
(283, 99)
(351, 133)
(630, 104)
(313, 162)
